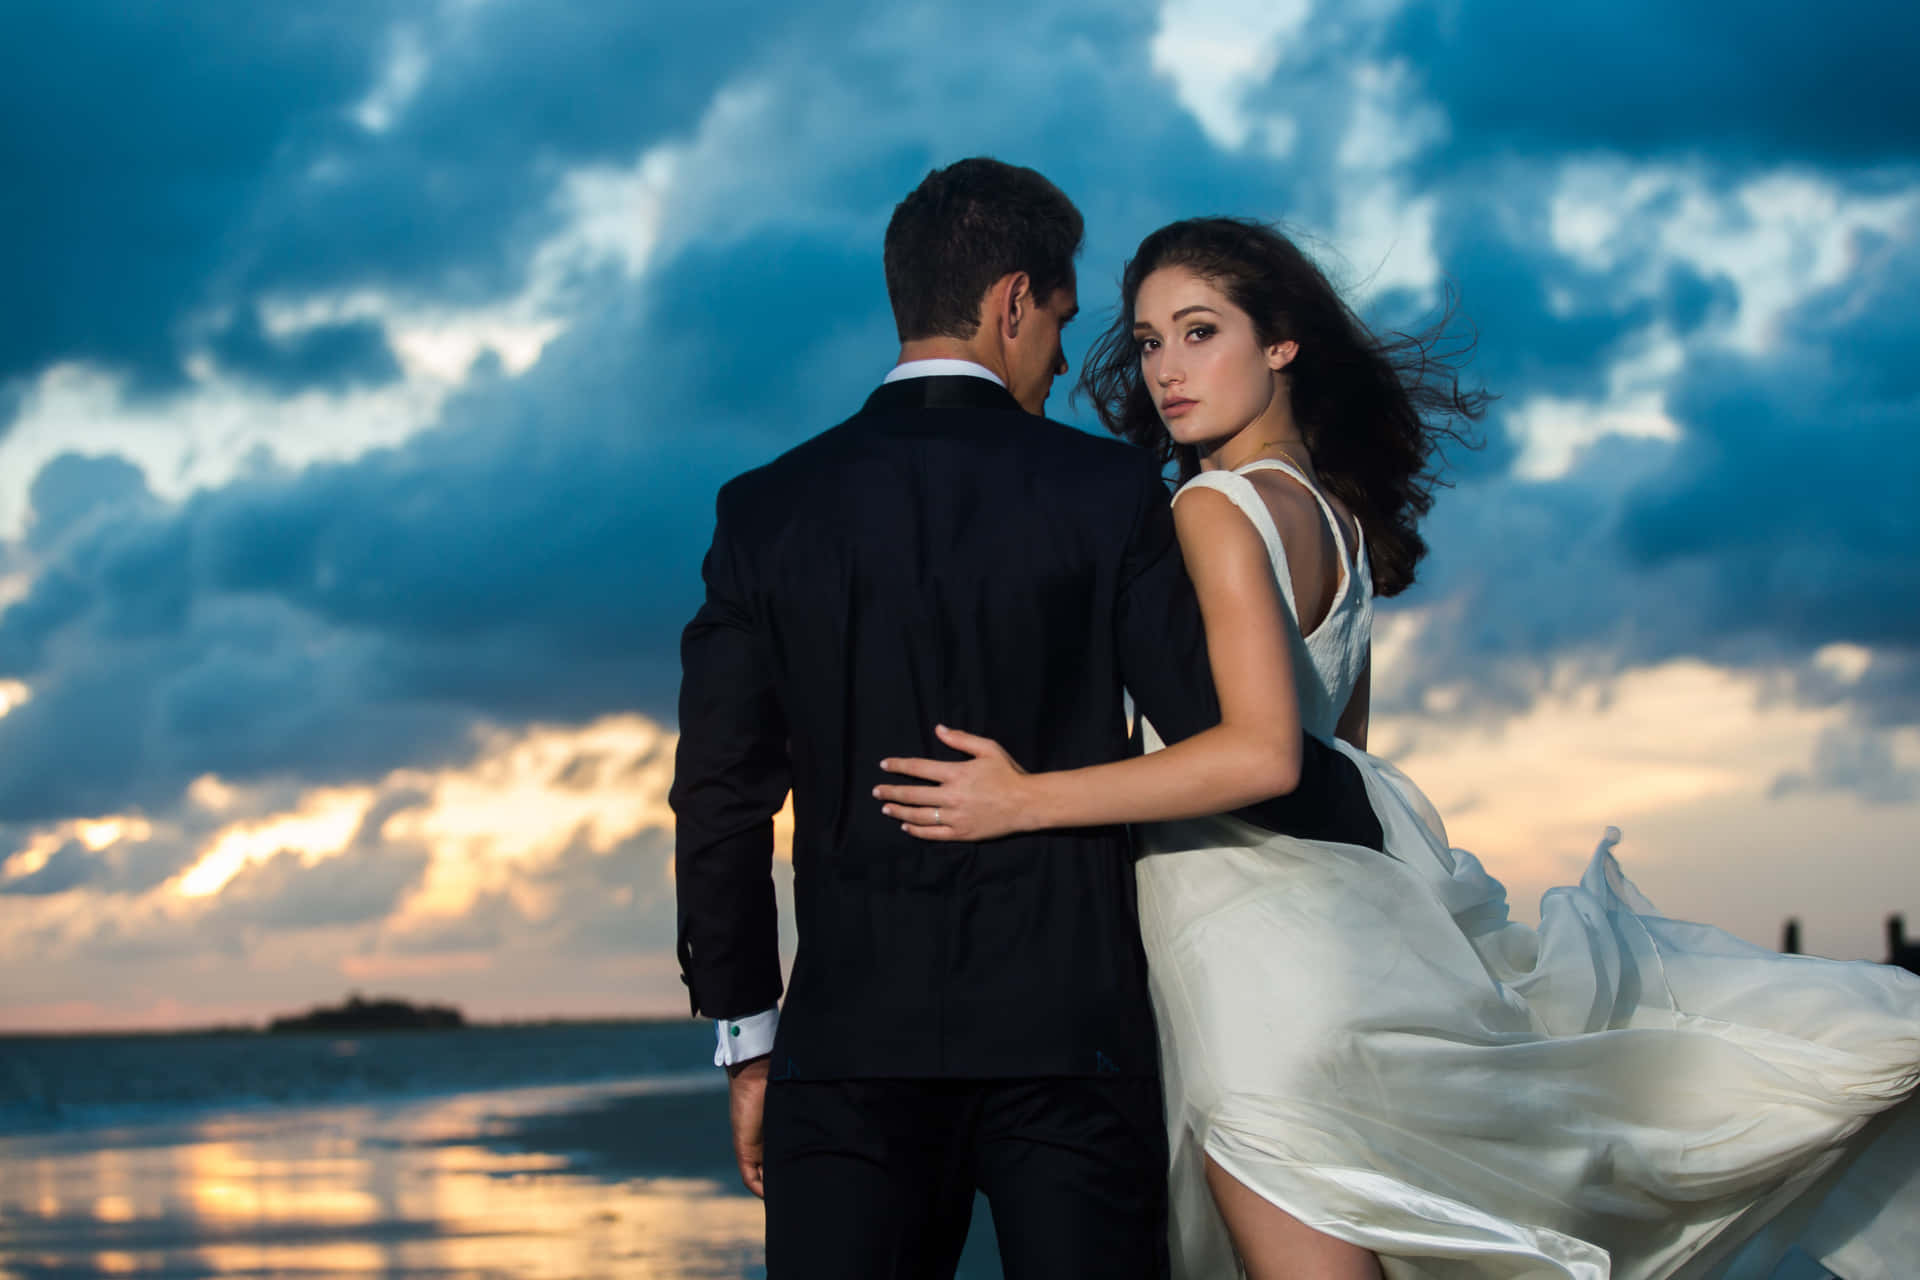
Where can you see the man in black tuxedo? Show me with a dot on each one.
(959, 1016)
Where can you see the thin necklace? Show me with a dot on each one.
(1285, 453)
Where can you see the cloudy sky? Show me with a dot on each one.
(367, 371)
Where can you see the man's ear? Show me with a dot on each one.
(1281, 354)
(1013, 296)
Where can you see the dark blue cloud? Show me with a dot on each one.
(452, 197)
(534, 558)
(330, 356)
(77, 747)
(1785, 519)
(1769, 81)
(572, 540)
(1547, 325)
(1525, 575)
(1800, 474)
(167, 162)
(1848, 759)
(745, 325)
(74, 488)
(55, 599)
(534, 555)
(138, 140)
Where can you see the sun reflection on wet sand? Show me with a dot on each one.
(396, 1189)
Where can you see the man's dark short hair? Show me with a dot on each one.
(966, 226)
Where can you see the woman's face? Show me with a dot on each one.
(1201, 360)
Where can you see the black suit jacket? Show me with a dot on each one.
(942, 556)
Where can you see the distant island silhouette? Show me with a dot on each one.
(383, 1014)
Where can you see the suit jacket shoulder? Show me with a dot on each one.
(1100, 468)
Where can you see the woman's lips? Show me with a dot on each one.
(1175, 407)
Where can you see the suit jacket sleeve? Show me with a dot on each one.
(1163, 660)
(732, 772)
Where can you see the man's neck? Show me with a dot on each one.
(954, 349)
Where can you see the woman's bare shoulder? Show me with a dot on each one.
(1211, 526)
(1296, 512)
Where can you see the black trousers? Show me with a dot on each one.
(875, 1179)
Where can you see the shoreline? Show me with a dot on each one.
(64, 1082)
(236, 1030)
(136, 1119)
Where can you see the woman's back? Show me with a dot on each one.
(1329, 652)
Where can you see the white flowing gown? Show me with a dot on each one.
(1368, 1042)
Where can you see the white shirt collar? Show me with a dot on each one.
(942, 369)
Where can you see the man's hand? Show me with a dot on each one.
(747, 1099)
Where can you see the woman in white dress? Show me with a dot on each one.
(1370, 1070)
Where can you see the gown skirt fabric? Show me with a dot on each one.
(1371, 1044)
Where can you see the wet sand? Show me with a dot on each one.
(632, 1179)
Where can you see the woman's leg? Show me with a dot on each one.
(1275, 1245)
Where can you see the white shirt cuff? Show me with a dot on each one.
(746, 1038)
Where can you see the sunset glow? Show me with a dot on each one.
(104, 833)
(321, 827)
(527, 794)
(346, 544)
(1679, 748)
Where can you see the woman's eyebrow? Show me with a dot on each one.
(1184, 311)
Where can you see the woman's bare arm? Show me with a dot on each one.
(1252, 754)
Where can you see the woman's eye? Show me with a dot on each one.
(1147, 344)
(1200, 332)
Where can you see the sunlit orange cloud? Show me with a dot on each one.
(1681, 756)
(531, 792)
(33, 855)
(526, 798)
(531, 795)
(1554, 777)
(103, 833)
(94, 834)
(322, 826)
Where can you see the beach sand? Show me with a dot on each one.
(630, 1179)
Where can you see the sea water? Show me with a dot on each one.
(580, 1150)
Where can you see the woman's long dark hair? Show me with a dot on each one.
(1373, 411)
